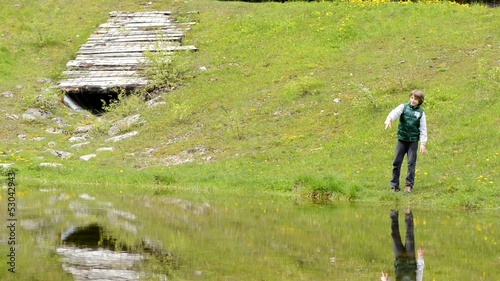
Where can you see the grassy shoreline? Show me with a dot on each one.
(293, 101)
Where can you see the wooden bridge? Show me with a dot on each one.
(113, 59)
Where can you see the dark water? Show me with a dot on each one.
(70, 236)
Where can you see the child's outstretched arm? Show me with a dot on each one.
(393, 115)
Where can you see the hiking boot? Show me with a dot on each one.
(408, 189)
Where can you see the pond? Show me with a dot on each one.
(233, 236)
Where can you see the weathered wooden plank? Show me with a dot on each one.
(128, 45)
(96, 62)
(102, 82)
(139, 49)
(133, 38)
(99, 73)
(143, 25)
(139, 14)
(158, 32)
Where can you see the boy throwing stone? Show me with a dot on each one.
(412, 128)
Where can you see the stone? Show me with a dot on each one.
(22, 137)
(59, 122)
(82, 129)
(123, 124)
(52, 144)
(79, 138)
(78, 145)
(54, 131)
(122, 137)
(12, 116)
(37, 112)
(45, 81)
(155, 102)
(6, 165)
(28, 117)
(85, 196)
(87, 157)
(53, 165)
(60, 154)
(7, 95)
(105, 149)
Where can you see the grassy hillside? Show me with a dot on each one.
(293, 100)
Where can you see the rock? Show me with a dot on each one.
(6, 95)
(85, 196)
(87, 157)
(60, 154)
(12, 116)
(82, 129)
(105, 149)
(59, 121)
(38, 139)
(54, 131)
(53, 165)
(22, 137)
(155, 102)
(5, 166)
(28, 117)
(78, 145)
(52, 144)
(79, 138)
(45, 80)
(122, 137)
(123, 124)
(37, 112)
(32, 224)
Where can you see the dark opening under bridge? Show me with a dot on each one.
(113, 58)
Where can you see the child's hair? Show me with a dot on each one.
(418, 95)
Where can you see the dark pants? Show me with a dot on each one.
(402, 148)
(405, 264)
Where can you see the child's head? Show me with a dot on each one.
(418, 95)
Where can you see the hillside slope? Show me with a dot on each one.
(287, 97)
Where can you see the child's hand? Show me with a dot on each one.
(423, 149)
(420, 252)
(384, 276)
(387, 123)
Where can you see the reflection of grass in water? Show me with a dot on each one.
(216, 235)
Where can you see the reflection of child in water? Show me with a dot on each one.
(406, 267)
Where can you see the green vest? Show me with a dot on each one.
(409, 123)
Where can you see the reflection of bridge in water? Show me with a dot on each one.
(113, 59)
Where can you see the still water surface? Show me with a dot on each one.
(208, 236)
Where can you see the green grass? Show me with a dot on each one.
(291, 92)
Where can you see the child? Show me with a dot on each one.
(412, 128)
